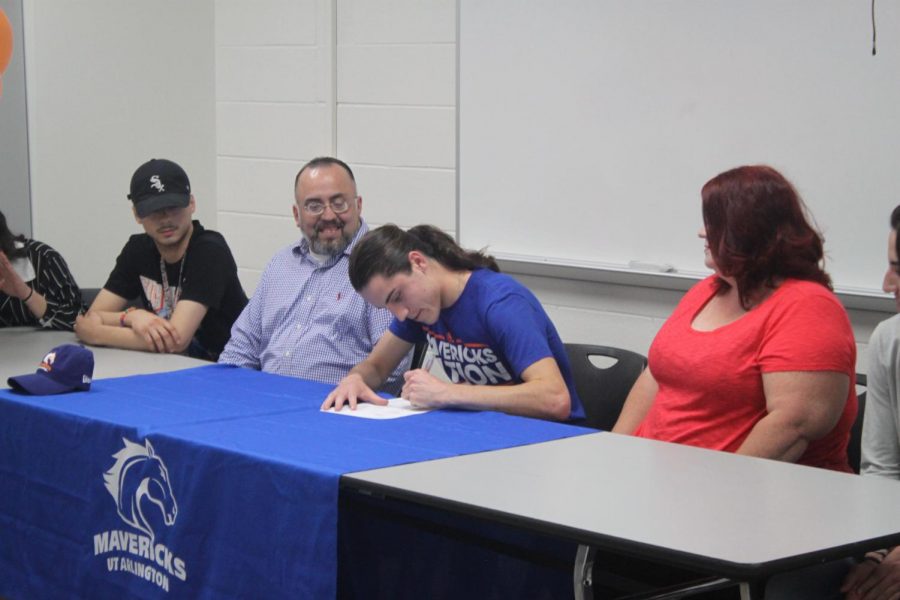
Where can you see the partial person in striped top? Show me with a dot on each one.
(36, 286)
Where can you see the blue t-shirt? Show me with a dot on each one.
(491, 334)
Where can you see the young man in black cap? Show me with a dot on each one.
(184, 275)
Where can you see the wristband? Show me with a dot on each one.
(123, 315)
(28, 297)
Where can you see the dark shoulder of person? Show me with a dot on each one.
(139, 246)
(209, 239)
(211, 250)
(139, 256)
(217, 286)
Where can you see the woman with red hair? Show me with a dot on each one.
(759, 358)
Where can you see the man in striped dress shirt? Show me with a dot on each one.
(305, 319)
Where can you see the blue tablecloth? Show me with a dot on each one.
(205, 483)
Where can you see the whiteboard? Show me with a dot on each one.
(587, 127)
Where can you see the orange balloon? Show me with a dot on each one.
(6, 44)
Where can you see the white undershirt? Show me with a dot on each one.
(22, 265)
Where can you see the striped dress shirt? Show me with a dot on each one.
(306, 320)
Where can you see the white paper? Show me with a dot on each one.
(396, 408)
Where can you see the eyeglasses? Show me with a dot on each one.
(339, 205)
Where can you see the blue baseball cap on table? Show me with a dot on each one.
(66, 368)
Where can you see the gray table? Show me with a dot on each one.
(727, 515)
(21, 350)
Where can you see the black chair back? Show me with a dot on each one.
(603, 390)
(418, 356)
(88, 295)
(854, 446)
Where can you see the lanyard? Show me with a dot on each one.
(169, 296)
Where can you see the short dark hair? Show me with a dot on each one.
(323, 161)
(757, 231)
(385, 251)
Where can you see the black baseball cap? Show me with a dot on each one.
(159, 184)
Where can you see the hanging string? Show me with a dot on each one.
(873, 27)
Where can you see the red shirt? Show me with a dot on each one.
(710, 382)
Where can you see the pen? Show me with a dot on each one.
(428, 361)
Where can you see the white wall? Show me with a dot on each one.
(396, 120)
(392, 68)
(274, 111)
(371, 82)
(110, 85)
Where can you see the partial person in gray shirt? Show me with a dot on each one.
(877, 577)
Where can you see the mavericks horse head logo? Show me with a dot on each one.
(139, 481)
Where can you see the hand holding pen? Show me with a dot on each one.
(422, 388)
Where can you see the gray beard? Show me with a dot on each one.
(332, 248)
